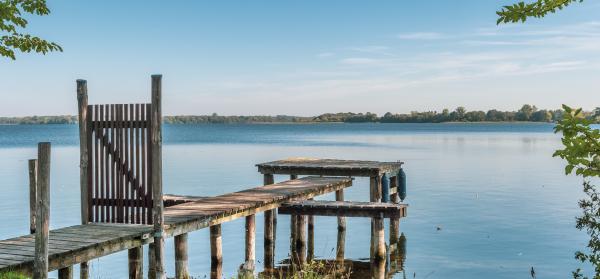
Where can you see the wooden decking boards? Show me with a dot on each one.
(81, 243)
(331, 167)
(345, 208)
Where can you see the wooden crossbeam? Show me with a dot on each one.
(345, 208)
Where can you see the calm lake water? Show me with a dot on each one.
(502, 202)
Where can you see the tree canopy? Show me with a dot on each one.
(521, 11)
(12, 22)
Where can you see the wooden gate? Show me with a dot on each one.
(119, 163)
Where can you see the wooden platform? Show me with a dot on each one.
(331, 167)
(76, 244)
(345, 208)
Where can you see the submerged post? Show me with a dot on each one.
(40, 262)
(151, 262)
(375, 187)
(250, 250)
(65, 273)
(216, 252)
(301, 239)
(181, 256)
(341, 231)
(32, 194)
(269, 240)
(82, 101)
(156, 177)
(378, 262)
(136, 260)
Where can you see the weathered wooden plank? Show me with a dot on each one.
(40, 270)
(332, 167)
(345, 208)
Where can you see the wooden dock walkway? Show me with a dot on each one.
(77, 244)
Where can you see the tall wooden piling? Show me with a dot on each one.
(32, 194)
(341, 231)
(181, 256)
(40, 270)
(375, 196)
(250, 254)
(151, 262)
(394, 222)
(84, 167)
(301, 239)
(379, 257)
(269, 236)
(310, 242)
(157, 193)
(136, 262)
(216, 252)
(293, 238)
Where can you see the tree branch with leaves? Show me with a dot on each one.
(521, 11)
(12, 22)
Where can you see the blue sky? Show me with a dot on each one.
(306, 57)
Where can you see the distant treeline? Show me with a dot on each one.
(460, 114)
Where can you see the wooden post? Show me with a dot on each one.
(157, 193)
(341, 229)
(301, 239)
(32, 194)
(151, 262)
(216, 252)
(250, 258)
(181, 257)
(82, 101)
(65, 273)
(310, 249)
(40, 270)
(136, 262)
(269, 239)
(293, 238)
(375, 196)
(378, 262)
(394, 224)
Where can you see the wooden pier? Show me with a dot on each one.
(123, 206)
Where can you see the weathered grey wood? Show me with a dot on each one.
(301, 239)
(378, 262)
(65, 273)
(84, 270)
(32, 194)
(136, 262)
(344, 208)
(181, 256)
(158, 218)
(151, 262)
(341, 232)
(42, 212)
(293, 238)
(269, 235)
(310, 249)
(216, 252)
(250, 247)
(82, 100)
(171, 200)
(374, 188)
(331, 167)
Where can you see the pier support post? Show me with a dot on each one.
(32, 194)
(136, 259)
(216, 252)
(156, 176)
(341, 231)
(84, 167)
(65, 273)
(378, 262)
(375, 196)
(250, 254)
(310, 248)
(293, 238)
(151, 262)
(40, 262)
(301, 239)
(269, 236)
(181, 256)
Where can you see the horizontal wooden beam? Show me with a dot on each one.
(345, 208)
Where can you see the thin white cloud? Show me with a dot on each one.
(325, 54)
(359, 61)
(420, 36)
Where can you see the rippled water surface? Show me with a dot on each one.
(502, 202)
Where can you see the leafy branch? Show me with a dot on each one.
(538, 9)
(12, 20)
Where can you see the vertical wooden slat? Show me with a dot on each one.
(126, 164)
(114, 169)
(40, 270)
(96, 164)
(120, 165)
(131, 170)
(144, 152)
(107, 158)
(156, 159)
(149, 203)
(89, 162)
(137, 166)
(101, 161)
(32, 194)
